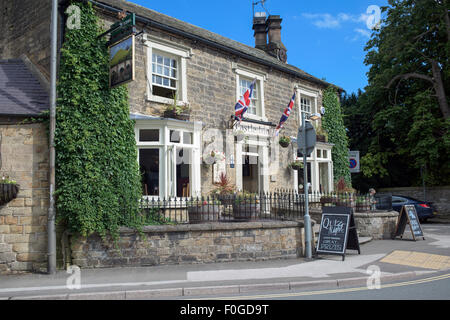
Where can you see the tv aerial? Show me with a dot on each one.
(261, 2)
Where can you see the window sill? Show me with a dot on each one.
(166, 101)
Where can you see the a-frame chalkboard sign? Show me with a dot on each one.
(408, 215)
(337, 232)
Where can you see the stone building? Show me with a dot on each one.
(24, 158)
(208, 74)
(205, 72)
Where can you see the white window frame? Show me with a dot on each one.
(166, 189)
(310, 94)
(241, 71)
(173, 50)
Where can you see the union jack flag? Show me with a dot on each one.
(286, 114)
(243, 103)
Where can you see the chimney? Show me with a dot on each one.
(275, 47)
(259, 25)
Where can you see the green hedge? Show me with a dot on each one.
(333, 123)
(98, 180)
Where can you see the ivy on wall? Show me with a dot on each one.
(333, 123)
(98, 180)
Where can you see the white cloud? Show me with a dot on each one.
(363, 32)
(323, 20)
(328, 21)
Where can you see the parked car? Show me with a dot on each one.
(425, 210)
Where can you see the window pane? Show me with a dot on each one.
(325, 154)
(187, 137)
(175, 136)
(149, 165)
(151, 135)
(159, 59)
(183, 172)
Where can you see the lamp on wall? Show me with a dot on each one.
(315, 117)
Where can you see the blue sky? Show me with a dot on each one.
(324, 38)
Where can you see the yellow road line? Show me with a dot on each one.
(331, 291)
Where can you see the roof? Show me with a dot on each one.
(21, 94)
(148, 16)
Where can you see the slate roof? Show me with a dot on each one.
(197, 32)
(21, 94)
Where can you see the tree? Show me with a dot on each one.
(419, 30)
(405, 102)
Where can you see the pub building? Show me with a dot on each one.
(207, 74)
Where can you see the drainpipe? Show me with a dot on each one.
(51, 210)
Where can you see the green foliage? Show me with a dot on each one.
(98, 180)
(333, 123)
(401, 129)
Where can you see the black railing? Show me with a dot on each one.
(225, 208)
(279, 205)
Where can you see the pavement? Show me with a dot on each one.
(392, 260)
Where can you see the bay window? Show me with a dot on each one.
(168, 156)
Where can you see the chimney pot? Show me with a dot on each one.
(275, 46)
(259, 25)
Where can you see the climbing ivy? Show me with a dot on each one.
(98, 180)
(333, 123)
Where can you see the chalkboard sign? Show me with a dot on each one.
(337, 231)
(408, 215)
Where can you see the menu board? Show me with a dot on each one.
(408, 215)
(337, 231)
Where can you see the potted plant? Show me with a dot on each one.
(284, 141)
(224, 190)
(177, 111)
(362, 204)
(296, 165)
(321, 134)
(246, 206)
(200, 211)
(8, 190)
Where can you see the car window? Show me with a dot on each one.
(398, 200)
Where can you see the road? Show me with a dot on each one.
(436, 287)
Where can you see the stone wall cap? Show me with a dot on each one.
(376, 214)
(215, 226)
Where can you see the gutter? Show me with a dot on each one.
(150, 23)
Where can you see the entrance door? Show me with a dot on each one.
(250, 173)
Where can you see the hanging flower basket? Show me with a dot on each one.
(8, 192)
(285, 142)
(296, 165)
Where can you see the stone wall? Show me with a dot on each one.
(25, 29)
(23, 237)
(191, 244)
(440, 196)
(378, 225)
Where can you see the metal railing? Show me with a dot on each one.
(279, 205)
(224, 208)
